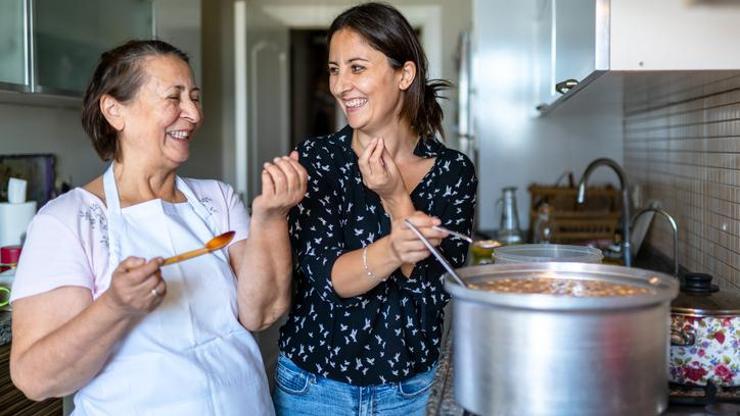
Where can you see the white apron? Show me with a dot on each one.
(190, 356)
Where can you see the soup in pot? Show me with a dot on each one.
(555, 286)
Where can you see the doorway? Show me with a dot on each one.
(313, 108)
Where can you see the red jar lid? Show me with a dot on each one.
(10, 254)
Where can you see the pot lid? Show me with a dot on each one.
(700, 297)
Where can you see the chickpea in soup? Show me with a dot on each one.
(554, 286)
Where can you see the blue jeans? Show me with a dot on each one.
(301, 393)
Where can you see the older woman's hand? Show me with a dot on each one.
(136, 286)
(406, 246)
(379, 171)
(284, 184)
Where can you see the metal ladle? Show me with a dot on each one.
(436, 253)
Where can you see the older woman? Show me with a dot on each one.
(365, 328)
(94, 309)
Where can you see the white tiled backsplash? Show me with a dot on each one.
(682, 145)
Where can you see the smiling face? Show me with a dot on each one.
(365, 85)
(159, 122)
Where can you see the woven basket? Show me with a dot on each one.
(597, 219)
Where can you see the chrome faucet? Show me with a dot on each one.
(626, 253)
(674, 226)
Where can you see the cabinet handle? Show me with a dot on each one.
(565, 86)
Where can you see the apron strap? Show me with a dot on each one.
(115, 216)
(201, 211)
(115, 220)
(198, 206)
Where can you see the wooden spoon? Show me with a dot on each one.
(216, 243)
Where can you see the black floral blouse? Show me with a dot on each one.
(393, 331)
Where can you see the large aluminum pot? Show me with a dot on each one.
(705, 334)
(552, 355)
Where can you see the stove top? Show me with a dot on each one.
(702, 395)
(687, 400)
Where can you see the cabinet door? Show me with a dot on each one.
(70, 35)
(544, 59)
(574, 39)
(12, 43)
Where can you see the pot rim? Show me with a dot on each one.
(705, 313)
(663, 287)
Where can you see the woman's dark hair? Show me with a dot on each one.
(120, 75)
(388, 31)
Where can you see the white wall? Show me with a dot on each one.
(56, 129)
(516, 147)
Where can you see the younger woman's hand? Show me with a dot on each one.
(379, 171)
(284, 183)
(136, 286)
(406, 246)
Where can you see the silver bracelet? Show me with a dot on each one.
(367, 269)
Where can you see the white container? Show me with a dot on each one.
(539, 253)
(14, 220)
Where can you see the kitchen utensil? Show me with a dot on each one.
(216, 243)
(555, 355)
(508, 230)
(482, 251)
(705, 332)
(436, 253)
(454, 233)
(538, 253)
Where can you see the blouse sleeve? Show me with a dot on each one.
(426, 282)
(238, 217)
(52, 257)
(316, 227)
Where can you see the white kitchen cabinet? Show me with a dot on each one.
(574, 39)
(52, 46)
(70, 35)
(13, 45)
(580, 40)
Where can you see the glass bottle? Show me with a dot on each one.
(543, 226)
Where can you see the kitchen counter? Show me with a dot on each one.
(442, 401)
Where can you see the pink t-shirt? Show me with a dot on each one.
(67, 241)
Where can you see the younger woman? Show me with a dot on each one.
(366, 322)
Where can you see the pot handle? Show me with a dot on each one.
(683, 337)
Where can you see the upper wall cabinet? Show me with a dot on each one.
(574, 40)
(580, 40)
(70, 35)
(570, 48)
(13, 44)
(52, 46)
